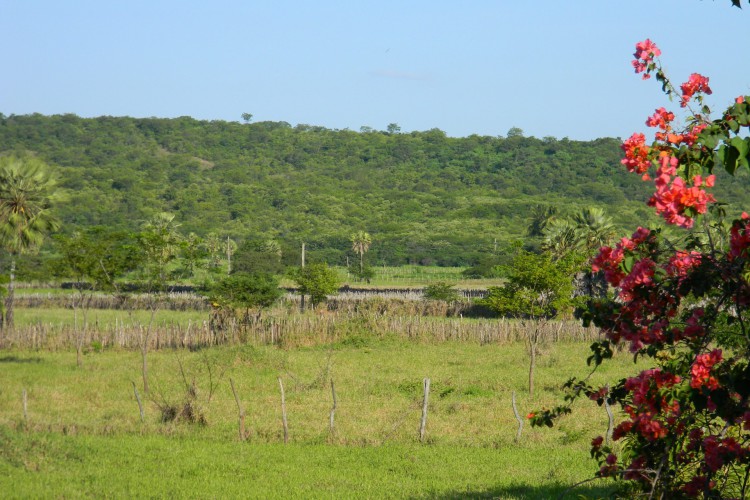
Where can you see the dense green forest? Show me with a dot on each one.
(424, 197)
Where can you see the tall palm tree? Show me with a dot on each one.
(361, 242)
(26, 191)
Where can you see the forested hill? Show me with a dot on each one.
(424, 197)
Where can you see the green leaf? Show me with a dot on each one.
(722, 154)
(709, 140)
(627, 263)
(742, 148)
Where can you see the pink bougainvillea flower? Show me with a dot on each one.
(700, 372)
(660, 118)
(644, 54)
(697, 83)
(636, 154)
(676, 201)
(739, 237)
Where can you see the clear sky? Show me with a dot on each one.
(551, 67)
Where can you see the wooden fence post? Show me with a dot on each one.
(240, 410)
(518, 418)
(25, 408)
(283, 413)
(423, 424)
(138, 398)
(333, 410)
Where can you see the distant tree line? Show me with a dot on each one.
(423, 197)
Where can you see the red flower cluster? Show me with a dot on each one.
(687, 138)
(610, 466)
(596, 443)
(721, 451)
(739, 239)
(651, 414)
(695, 84)
(700, 372)
(687, 419)
(609, 260)
(674, 200)
(637, 154)
(682, 262)
(697, 485)
(640, 276)
(644, 54)
(661, 119)
(693, 327)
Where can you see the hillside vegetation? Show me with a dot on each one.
(424, 197)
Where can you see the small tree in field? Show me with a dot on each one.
(238, 294)
(316, 280)
(94, 259)
(537, 289)
(159, 242)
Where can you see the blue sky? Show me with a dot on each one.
(552, 68)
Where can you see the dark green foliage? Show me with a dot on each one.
(256, 256)
(441, 291)
(193, 253)
(246, 291)
(364, 273)
(487, 266)
(317, 281)
(96, 256)
(268, 180)
(159, 243)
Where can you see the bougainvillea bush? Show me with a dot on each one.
(683, 304)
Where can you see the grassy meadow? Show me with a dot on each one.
(410, 276)
(81, 433)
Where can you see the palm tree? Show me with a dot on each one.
(26, 191)
(560, 238)
(585, 232)
(541, 215)
(594, 227)
(361, 242)
(271, 247)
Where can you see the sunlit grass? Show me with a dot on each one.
(82, 422)
(104, 318)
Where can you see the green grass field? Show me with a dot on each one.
(45, 465)
(82, 435)
(410, 277)
(105, 318)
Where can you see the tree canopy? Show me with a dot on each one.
(424, 197)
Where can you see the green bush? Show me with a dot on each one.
(441, 291)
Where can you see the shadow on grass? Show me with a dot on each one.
(16, 359)
(536, 492)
